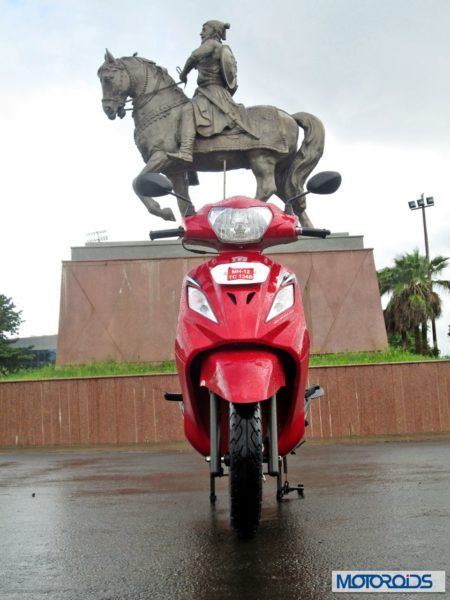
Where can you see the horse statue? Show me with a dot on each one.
(272, 155)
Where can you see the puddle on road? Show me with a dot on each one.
(143, 484)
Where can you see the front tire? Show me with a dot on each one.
(245, 474)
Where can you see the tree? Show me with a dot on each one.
(406, 343)
(10, 355)
(413, 300)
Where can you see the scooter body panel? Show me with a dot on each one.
(242, 375)
(241, 298)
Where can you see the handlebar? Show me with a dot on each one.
(166, 233)
(179, 232)
(313, 232)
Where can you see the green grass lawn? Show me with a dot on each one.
(109, 368)
(358, 358)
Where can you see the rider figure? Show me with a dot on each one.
(212, 108)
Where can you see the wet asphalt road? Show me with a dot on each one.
(138, 525)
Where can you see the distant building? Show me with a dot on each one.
(43, 351)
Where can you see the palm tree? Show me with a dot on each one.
(413, 300)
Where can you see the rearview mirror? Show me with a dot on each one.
(153, 184)
(326, 182)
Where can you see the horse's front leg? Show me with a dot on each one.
(154, 165)
(181, 187)
(299, 208)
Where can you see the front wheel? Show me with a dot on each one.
(245, 475)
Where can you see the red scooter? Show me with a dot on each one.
(242, 346)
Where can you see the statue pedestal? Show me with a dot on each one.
(119, 300)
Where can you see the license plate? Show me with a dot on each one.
(240, 274)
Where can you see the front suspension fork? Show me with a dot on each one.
(273, 465)
(276, 465)
(215, 466)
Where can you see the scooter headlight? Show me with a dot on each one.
(240, 225)
(199, 302)
(283, 300)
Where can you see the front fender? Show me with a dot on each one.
(242, 376)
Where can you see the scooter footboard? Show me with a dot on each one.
(242, 376)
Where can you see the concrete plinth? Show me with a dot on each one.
(120, 300)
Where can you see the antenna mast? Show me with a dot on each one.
(96, 237)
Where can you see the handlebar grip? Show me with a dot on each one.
(313, 232)
(166, 233)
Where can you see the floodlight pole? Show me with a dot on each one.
(425, 232)
(427, 254)
(423, 205)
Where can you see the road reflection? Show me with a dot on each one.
(136, 525)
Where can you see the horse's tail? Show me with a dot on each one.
(291, 176)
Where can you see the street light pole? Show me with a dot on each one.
(425, 232)
(424, 203)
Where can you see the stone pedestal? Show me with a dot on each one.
(120, 300)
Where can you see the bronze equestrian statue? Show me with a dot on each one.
(178, 136)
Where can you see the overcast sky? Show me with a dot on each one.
(376, 72)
